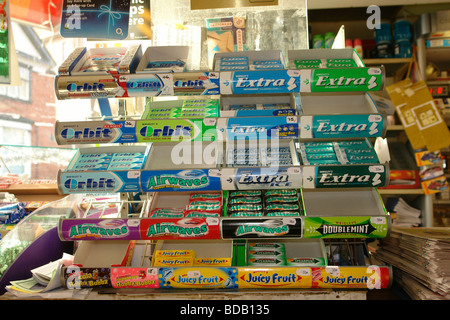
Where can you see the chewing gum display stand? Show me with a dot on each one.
(243, 191)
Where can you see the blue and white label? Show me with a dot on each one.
(88, 132)
(196, 83)
(341, 126)
(262, 128)
(148, 85)
(255, 82)
(93, 182)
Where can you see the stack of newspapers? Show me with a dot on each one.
(420, 258)
(406, 215)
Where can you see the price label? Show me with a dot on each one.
(291, 119)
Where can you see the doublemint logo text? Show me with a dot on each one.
(363, 229)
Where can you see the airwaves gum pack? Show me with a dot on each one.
(256, 203)
(201, 205)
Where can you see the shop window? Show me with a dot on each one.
(14, 133)
(22, 92)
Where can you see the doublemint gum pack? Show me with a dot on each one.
(300, 262)
(266, 253)
(266, 262)
(266, 245)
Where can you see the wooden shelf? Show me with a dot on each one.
(441, 201)
(395, 127)
(45, 188)
(442, 81)
(401, 191)
(35, 192)
(386, 61)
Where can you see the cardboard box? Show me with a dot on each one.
(225, 35)
(211, 253)
(164, 54)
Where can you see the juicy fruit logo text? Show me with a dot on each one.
(350, 280)
(271, 280)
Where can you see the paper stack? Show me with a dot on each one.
(421, 261)
(406, 216)
(45, 282)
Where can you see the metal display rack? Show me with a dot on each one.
(329, 104)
